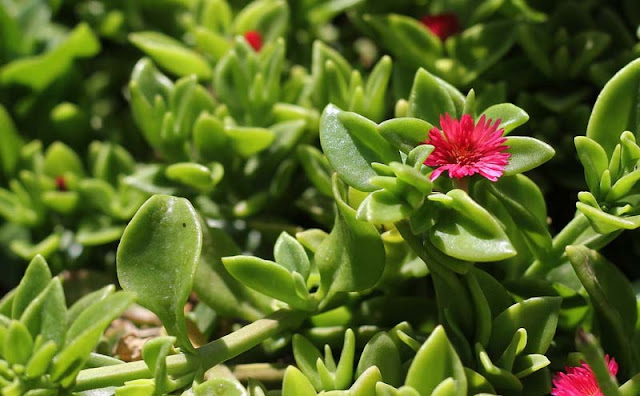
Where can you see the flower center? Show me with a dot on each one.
(465, 156)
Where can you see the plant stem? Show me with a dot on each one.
(263, 372)
(462, 184)
(209, 355)
(415, 244)
(249, 336)
(568, 236)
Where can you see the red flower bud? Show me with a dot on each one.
(254, 39)
(442, 25)
(61, 184)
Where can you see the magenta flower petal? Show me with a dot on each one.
(580, 381)
(254, 38)
(442, 25)
(464, 149)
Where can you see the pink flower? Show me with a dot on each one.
(442, 25)
(254, 38)
(464, 149)
(580, 381)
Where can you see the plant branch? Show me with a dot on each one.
(567, 236)
(209, 355)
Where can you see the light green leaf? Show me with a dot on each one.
(351, 143)
(612, 297)
(271, 279)
(352, 257)
(171, 54)
(157, 259)
(435, 362)
(538, 315)
(616, 109)
(526, 153)
(467, 231)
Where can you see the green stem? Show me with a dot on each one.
(249, 336)
(416, 245)
(263, 372)
(568, 236)
(209, 355)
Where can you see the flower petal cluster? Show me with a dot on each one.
(464, 148)
(580, 381)
(442, 25)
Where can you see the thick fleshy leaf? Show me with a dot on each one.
(526, 153)
(590, 348)
(351, 143)
(352, 257)
(269, 17)
(38, 72)
(468, 232)
(209, 138)
(525, 203)
(18, 344)
(306, 356)
(46, 315)
(249, 141)
(406, 38)
(503, 380)
(405, 133)
(84, 333)
(382, 207)
(150, 92)
(195, 175)
(529, 364)
(40, 360)
(436, 361)
(612, 297)
(616, 109)
(296, 384)
(271, 279)
(11, 143)
(478, 48)
(382, 352)
(316, 167)
(158, 256)
(211, 43)
(344, 370)
(154, 353)
(606, 223)
(594, 160)
(511, 116)
(477, 383)
(219, 387)
(60, 159)
(290, 254)
(431, 97)
(34, 281)
(88, 300)
(538, 315)
(171, 54)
